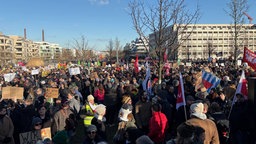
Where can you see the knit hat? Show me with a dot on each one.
(36, 120)
(90, 97)
(144, 139)
(197, 109)
(91, 128)
(126, 99)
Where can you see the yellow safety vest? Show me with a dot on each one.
(88, 118)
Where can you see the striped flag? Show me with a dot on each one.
(181, 96)
(241, 88)
(209, 80)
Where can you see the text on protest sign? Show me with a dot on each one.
(12, 93)
(9, 77)
(250, 58)
(52, 93)
(35, 72)
(74, 71)
(33, 136)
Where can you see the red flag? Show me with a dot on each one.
(250, 58)
(136, 64)
(241, 87)
(181, 97)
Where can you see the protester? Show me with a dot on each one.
(88, 111)
(198, 118)
(158, 125)
(6, 126)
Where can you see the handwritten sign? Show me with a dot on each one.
(35, 72)
(74, 71)
(9, 77)
(33, 136)
(52, 92)
(12, 93)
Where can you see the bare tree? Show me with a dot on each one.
(118, 48)
(165, 20)
(210, 48)
(66, 55)
(81, 46)
(236, 9)
(110, 49)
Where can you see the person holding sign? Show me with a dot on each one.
(6, 127)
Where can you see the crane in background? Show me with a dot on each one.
(249, 17)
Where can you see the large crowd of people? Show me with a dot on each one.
(113, 97)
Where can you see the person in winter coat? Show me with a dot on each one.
(158, 125)
(198, 118)
(143, 112)
(6, 127)
(61, 116)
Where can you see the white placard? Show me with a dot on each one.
(9, 77)
(188, 63)
(74, 71)
(35, 72)
(239, 62)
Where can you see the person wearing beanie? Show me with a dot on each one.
(92, 136)
(126, 99)
(144, 139)
(36, 123)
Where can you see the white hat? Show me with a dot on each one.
(197, 109)
(226, 78)
(90, 97)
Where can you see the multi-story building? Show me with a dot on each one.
(49, 52)
(6, 46)
(201, 40)
(138, 47)
(24, 49)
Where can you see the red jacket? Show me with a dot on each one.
(157, 126)
(99, 94)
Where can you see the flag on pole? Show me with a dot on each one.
(210, 81)
(250, 58)
(181, 96)
(136, 64)
(241, 88)
(146, 84)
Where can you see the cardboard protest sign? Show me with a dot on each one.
(52, 93)
(33, 136)
(35, 72)
(74, 71)
(12, 93)
(104, 64)
(46, 133)
(9, 77)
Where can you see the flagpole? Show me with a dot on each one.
(183, 96)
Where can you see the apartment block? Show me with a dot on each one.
(198, 40)
(49, 52)
(24, 49)
(6, 47)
